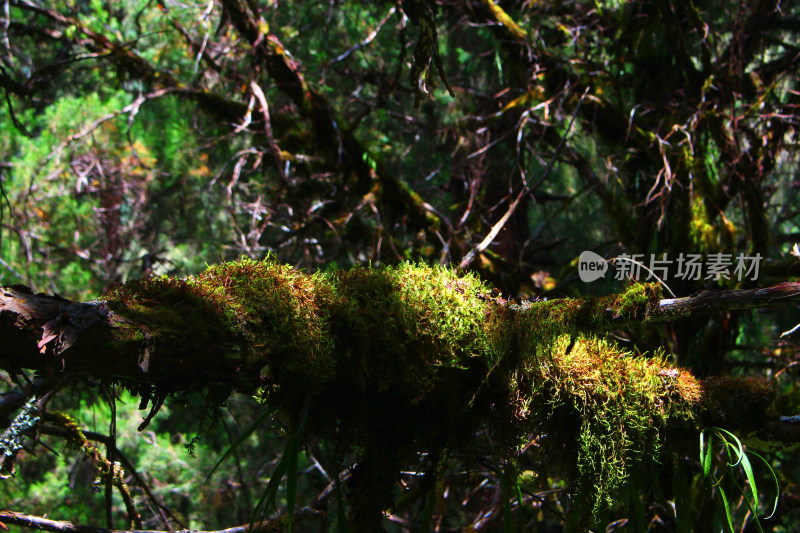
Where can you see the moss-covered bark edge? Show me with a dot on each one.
(408, 359)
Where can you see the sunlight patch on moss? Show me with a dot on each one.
(412, 358)
(621, 402)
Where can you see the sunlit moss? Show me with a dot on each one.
(635, 301)
(709, 235)
(554, 317)
(413, 358)
(621, 402)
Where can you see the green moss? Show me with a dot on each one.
(621, 402)
(276, 310)
(707, 234)
(168, 306)
(700, 229)
(559, 380)
(549, 319)
(411, 320)
(737, 403)
(636, 300)
(75, 438)
(413, 358)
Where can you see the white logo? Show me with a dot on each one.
(717, 266)
(591, 266)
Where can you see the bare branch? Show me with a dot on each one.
(60, 526)
(273, 145)
(368, 39)
(526, 188)
(709, 302)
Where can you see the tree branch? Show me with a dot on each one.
(60, 526)
(333, 134)
(126, 59)
(38, 326)
(710, 302)
(408, 358)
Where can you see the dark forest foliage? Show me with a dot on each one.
(145, 138)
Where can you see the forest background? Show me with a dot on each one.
(144, 138)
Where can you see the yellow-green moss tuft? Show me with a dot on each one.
(621, 402)
(636, 300)
(707, 234)
(412, 358)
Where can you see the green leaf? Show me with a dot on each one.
(705, 454)
(727, 509)
(777, 484)
(748, 470)
(739, 449)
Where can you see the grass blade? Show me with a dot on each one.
(249, 431)
(287, 462)
(751, 479)
(777, 485)
(727, 509)
(739, 448)
(705, 454)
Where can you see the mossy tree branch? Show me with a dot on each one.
(407, 359)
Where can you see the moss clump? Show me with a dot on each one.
(403, 326)
(737, 403)
(558, 379)
(637, 300)
(408, 359)
(176, 330)
(707, 234)
(574, 315)
(278, 313)
(410, 350)
(240, 314)
(620, 403)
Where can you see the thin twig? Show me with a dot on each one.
(126, 464)
(59, 526)
(368, 39)
(526, 188)
(273, 146)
